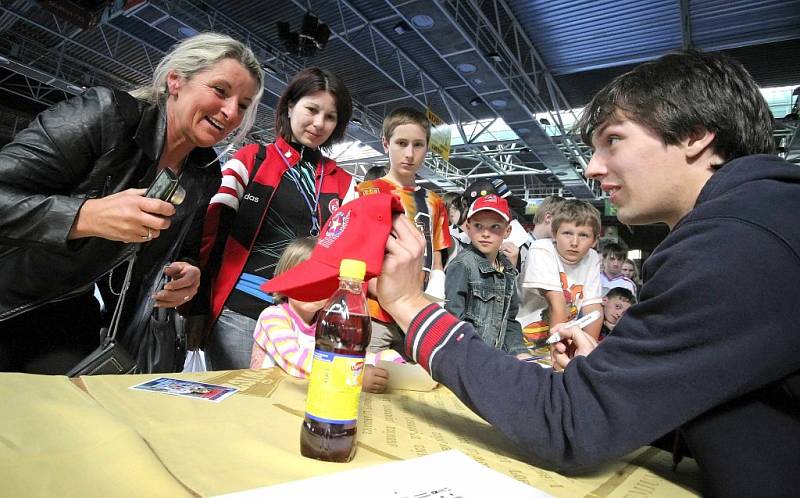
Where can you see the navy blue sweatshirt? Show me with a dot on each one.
(713, 347)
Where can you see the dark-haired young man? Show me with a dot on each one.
(712, 347)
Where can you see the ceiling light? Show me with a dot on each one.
(313, 36)
(544, 121)
(494, 57)
(187, 32)
(357, 122)
(401, 28)
(466, 68)
(422, 21)
(475, 102)
(499, 103)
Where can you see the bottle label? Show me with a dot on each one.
(334, 387)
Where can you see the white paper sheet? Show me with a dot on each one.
(449, 474)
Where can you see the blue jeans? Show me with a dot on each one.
(231, 342)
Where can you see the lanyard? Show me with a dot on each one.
(298, 181)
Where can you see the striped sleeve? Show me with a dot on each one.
(428, 332)
(235, 177)
(276, 336)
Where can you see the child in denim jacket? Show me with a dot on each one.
(480, 282)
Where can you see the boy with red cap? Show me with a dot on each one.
(480, 281)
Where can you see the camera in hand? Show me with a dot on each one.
(166, 188)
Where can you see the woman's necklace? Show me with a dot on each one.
(313, 207)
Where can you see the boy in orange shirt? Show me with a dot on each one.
(406, 132)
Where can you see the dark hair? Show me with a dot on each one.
(455, 200)
(622, 293)
(306, 82)
(682, 92)
(375, 172)
(615, 250)
(404, 116)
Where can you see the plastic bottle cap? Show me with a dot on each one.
(352, 268)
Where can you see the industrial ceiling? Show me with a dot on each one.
(475, 64)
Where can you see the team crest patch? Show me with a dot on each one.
(336, 226)
(333, 205)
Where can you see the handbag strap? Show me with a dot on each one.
(114, 324)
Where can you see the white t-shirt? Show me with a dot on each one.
(618, 281)
(544, 271)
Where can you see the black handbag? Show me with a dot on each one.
(110, 357)
(163, 344)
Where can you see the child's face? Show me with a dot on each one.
(306, 311)
(406, 150)
(628, 270)
(486, 230)
(612, 265)
(454, 214)
(573, 242)
(614, 308)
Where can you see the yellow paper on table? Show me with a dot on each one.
(57, 441)
(251, 439)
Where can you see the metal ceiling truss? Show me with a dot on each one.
(400, 69)
(520, 84)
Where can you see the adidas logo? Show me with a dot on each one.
(250, 197)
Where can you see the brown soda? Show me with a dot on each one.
(343, 331)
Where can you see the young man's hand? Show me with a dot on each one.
(399, 288)
(575, 342)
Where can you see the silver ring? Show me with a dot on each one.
(149, 234)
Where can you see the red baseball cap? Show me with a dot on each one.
(357, 230)
(491, 202)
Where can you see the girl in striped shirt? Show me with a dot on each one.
(284, 333)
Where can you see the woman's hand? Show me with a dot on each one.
(375, 379)
(126, 216)
(183, 285)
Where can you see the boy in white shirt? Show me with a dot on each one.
(561, 278)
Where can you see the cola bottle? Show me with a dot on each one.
(343, 331)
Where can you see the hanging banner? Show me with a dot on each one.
(440, 135)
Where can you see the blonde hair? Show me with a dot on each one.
(579, 212)
(295, 253)
(550, 204)
(197, 54)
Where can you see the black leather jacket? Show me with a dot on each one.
(89, 146)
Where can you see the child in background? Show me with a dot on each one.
(615, 304)
(406, 132)
(285, 333)
(561, 279)
(611, 275)
(480, 283)
(631, 271)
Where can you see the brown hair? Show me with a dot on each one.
(306, 82)
(403, 116)
(681, 92)
(297, 251)
(579, 212)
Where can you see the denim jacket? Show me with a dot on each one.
(485, 297)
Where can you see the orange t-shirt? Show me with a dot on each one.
(426, 210)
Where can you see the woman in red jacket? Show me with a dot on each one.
(269, 196)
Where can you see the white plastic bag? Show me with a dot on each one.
(195, 361)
